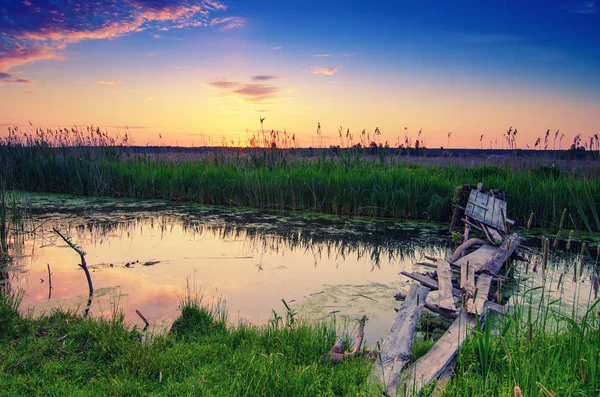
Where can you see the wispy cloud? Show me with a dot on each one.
(109, 82)
(322, 55)
(263, 77)
(257, 92)
(6, 78)
(326, 70)
(277, 48)
(21, 81)
(228, 23)
(582, 8)
(348, 54)
(223, 83)
(249, 92)
(37, 30)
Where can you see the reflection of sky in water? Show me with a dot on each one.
(253, 259)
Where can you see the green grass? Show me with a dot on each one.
(65, 354)
(347, 183)
(539, 345)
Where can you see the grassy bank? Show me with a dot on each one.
(347, 183)
(66, 354)
(539, 348)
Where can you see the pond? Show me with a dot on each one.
(144, 254)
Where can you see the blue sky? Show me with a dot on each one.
(187, 68)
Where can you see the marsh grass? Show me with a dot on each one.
(350, 182)
(65, 354)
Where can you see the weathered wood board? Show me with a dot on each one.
(396, 348)
(429, 282)
(488, 210)
(427, 368)
(467, 278)
(478, 258)
(444, 273)
(475, 306)
(506, 249)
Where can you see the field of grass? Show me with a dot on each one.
(350, 182)
(65, 354)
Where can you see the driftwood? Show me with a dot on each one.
(83, 265)
(337, 355)
(396, 348)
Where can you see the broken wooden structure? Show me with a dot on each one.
(463, 283)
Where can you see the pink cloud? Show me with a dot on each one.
(42, 30)
(326, 70)
(228, 23)
(223, 84)
(256, 92)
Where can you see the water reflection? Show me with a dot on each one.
(319, 264)
(251, 258)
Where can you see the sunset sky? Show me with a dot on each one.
(204, 72)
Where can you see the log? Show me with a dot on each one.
(396, 348)
(465, 246)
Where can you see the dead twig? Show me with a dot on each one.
(143, 319)
(49, 282)
(83, 265)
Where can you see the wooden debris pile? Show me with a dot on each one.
(463, 283)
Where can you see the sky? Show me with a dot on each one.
(184, 72)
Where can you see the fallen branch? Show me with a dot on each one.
(337, 355)
(83, 265)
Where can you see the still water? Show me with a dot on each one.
(142, 255)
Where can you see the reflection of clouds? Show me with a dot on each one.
(219, 249)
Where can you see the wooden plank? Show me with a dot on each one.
(429, 282)
(429, 367)
(396, 348)
(467, 278)
(508, 247)
(423, 279)
(478, 258)
(445, 298)
(476, 305)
